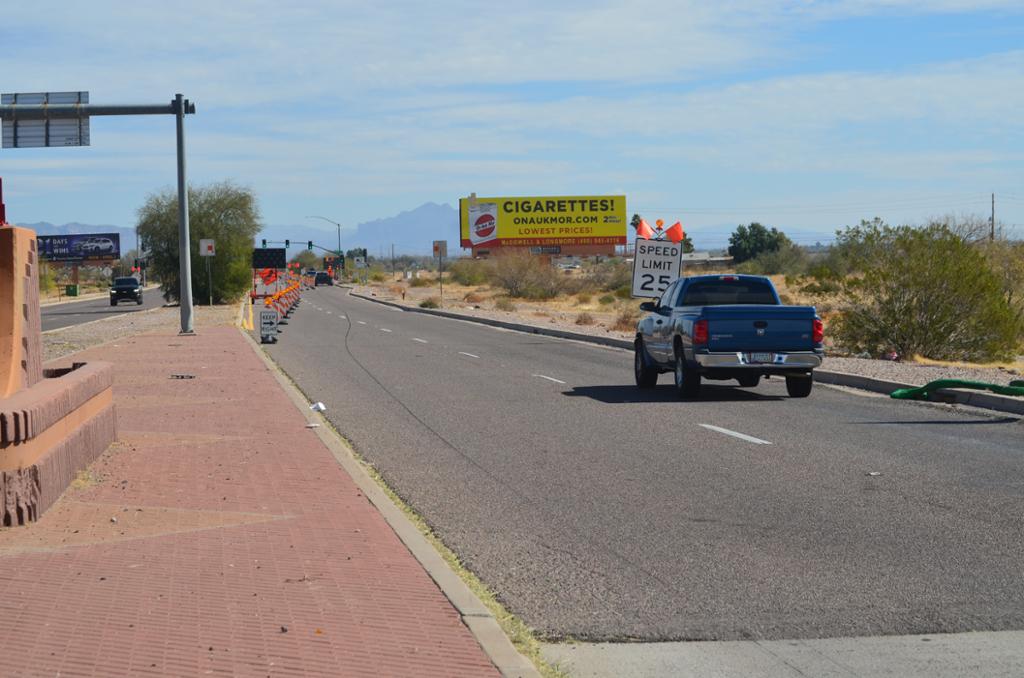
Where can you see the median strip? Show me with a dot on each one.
(735, 434)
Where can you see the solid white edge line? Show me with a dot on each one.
(469, 354)
(422, 341)
(544, 376)
(734, 434)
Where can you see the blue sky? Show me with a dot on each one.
(803, 115)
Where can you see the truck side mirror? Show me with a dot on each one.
(649, 306)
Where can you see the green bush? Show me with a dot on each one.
(624, 292)
(606, 299)
(419, 282)
(583, 298)
(928, 292)
(377, 277)
(607, 276)
(431, 302)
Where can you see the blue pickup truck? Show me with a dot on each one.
(727, 327)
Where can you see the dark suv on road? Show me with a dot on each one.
(323, 278)
(125, 288)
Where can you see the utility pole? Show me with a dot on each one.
(992, 233)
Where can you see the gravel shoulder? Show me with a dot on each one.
(540, 315)
(70, 340)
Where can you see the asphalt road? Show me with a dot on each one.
(597, 511)
(55, 316)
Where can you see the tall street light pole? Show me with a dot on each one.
(332, 222)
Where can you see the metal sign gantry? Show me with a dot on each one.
(20, 108)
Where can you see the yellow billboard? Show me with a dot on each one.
(541, 221)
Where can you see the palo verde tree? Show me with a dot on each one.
(747, 242)
(224, 212)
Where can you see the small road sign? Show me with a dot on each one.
(441, 248)
(655, 265)
(360, 262)
(268, 326)
(207, 248)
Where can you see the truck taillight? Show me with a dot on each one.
(700, 332)
(817, 331)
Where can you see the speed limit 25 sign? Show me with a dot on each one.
(655, 265)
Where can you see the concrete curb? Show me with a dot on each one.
(475, 615)
(988, 401)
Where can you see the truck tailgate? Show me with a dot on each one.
(759, 328)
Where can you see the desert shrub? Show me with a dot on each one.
(608, 275)
(521, 274)
(788, 258)
(419, 282)
(624, 292)
(504, 304)
(929, 292)
(377, 277)
(430, 302)
(470, 272)
(606, 299)
(473, 298)
(584, 319)
(583, 298)
(626, 320)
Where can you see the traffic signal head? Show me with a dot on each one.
(309, 245)
(264, 243)
(287, 243)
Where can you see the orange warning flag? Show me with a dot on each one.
(643, 230)
(675, 232)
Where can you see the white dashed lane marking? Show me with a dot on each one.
(361, 322)
(544, 376)
(469, 354)
(384, 329)
(422, 341)
(734, 434)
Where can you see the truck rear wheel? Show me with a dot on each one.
(646, 375)
(799, 387)
(687, 380)
(749, 380)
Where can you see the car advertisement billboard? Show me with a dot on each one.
(543, 221)
(82, 247)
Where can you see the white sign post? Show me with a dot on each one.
(208, 249)
(268, 326)
(655, 265)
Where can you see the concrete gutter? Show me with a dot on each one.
(981, 399)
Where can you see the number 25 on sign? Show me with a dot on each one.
(655, 265)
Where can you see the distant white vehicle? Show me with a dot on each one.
(96, 245)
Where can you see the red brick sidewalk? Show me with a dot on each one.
(219, 536)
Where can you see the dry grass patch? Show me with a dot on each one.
(584, 319)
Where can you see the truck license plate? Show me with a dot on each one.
(761, 357)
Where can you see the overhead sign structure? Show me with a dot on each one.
(543, 221)
(80, 248)
(207, 248)
(19, 133)
(656, 265)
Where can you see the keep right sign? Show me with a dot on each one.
(655, 265)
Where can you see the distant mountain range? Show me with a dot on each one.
(411, 232)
